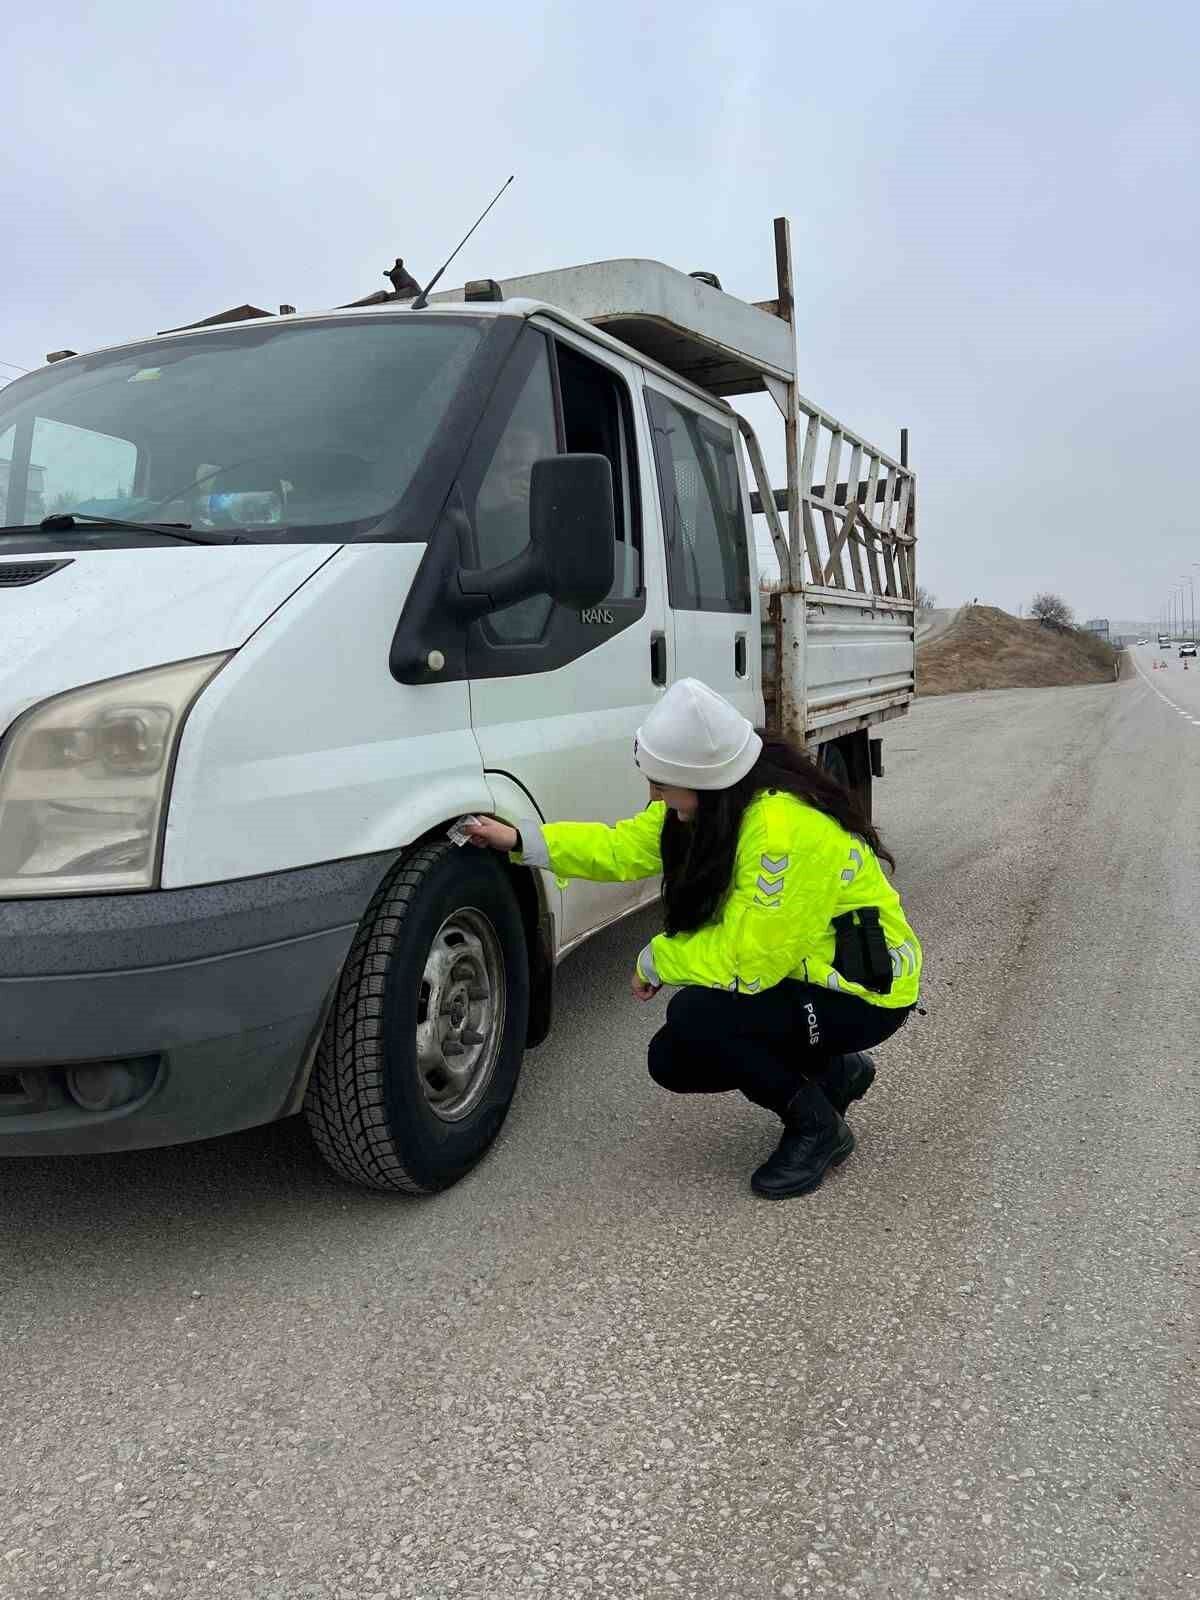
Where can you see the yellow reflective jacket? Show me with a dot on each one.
(795, 871)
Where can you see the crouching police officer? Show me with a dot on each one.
(789, 947)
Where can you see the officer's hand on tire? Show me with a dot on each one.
(488, 833)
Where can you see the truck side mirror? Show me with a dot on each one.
(572, 539)
(573, 527)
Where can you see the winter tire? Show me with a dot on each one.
(420, 1055)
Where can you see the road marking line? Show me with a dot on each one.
(1166, 700)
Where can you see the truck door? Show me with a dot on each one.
(557, 695)
(712, 595)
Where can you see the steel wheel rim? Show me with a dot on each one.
(461, 1011)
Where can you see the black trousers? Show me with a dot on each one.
(762, 1044)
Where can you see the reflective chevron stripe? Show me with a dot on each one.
(852, 872)
(904, 960)
(771, 881)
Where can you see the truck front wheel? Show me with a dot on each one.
(419, 1059)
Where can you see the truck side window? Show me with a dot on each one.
(501, 508)
(550, 398)
(597, 421)
(708, 565)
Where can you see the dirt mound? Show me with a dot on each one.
(985, 648)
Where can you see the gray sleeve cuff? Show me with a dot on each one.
(647, 971)
(534, 850)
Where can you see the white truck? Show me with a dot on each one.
(282, 599)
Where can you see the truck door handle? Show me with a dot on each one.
(658, 659)
(739, 655)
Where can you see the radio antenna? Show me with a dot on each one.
(422, 299)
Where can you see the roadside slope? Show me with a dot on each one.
(986, 648)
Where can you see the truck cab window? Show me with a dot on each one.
(501, 502)
(708, 565)
(597, 421)
(549, 400)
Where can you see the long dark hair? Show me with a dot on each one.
(698, 856)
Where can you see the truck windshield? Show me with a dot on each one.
(301, 429)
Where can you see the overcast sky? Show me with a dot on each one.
(993, 208)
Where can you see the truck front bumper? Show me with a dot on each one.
(129, 1021)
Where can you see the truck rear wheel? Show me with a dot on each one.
(419, 1060)
(834, 762)
(849, 763)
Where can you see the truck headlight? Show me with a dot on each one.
(84, 780)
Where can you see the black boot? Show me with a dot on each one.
(815, 1138)
(845, 1079)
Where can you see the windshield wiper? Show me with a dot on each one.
(65, 521)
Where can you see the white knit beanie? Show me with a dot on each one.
(695, 740)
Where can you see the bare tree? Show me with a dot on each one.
(926, 599)
(1051, 610)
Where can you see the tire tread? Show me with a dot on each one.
(344, 1103)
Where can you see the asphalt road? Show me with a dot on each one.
(966, 1367)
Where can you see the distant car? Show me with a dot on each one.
(1143, 641)
(1187, 649)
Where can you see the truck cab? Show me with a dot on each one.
(283, 599)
